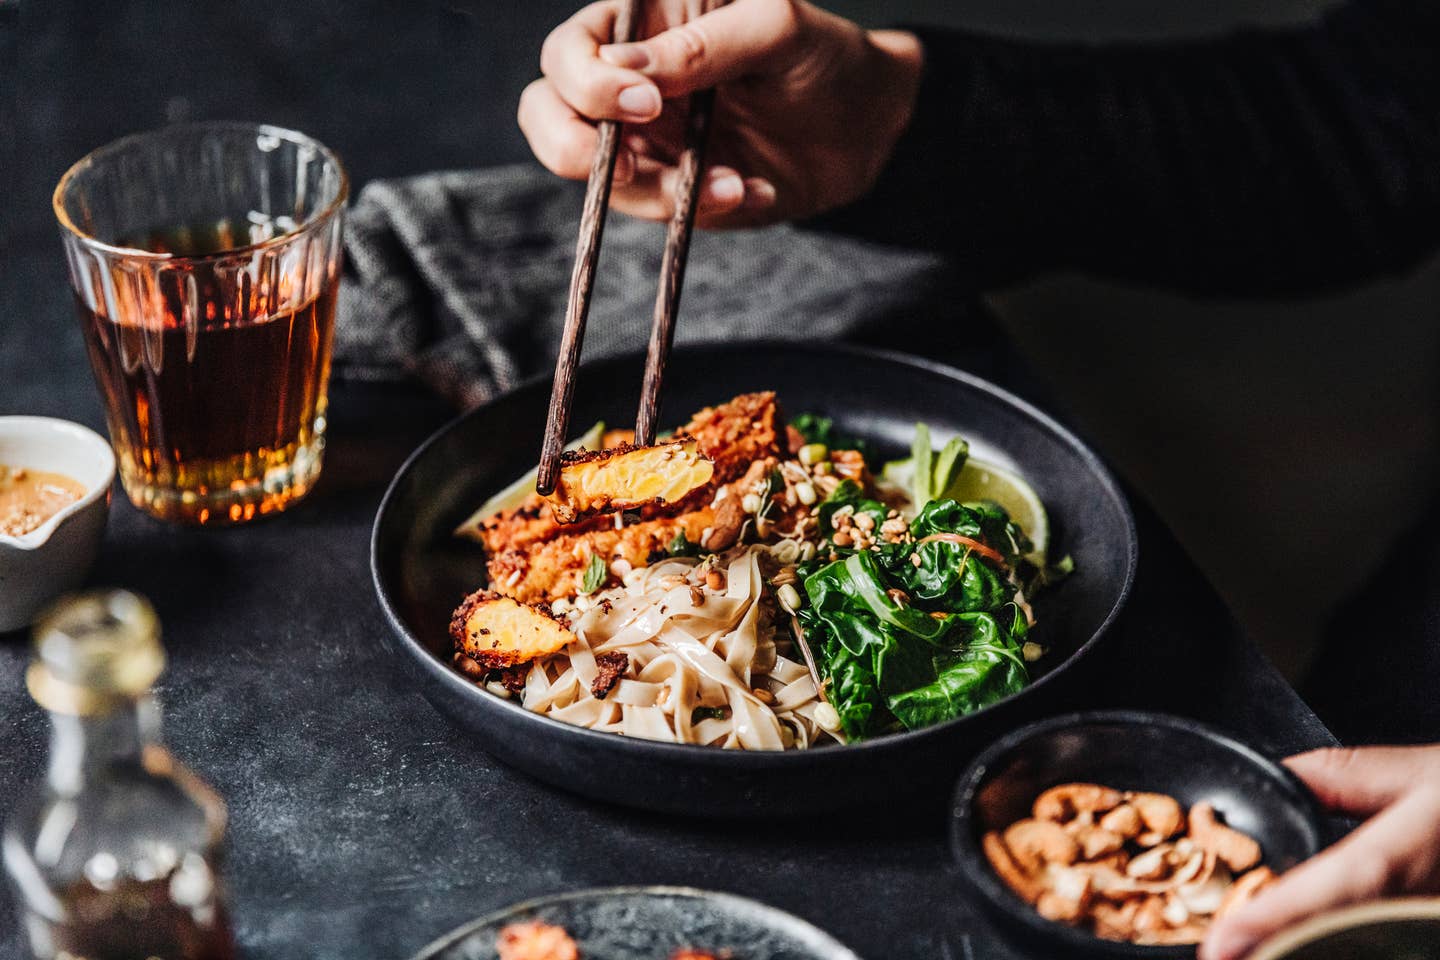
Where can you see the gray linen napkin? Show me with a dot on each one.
(461, 278)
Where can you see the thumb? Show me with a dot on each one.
(1360, 781)
(737, 39)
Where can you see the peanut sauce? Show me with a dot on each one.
(30, 497)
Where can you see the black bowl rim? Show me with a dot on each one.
(745, 759)
(971, 860)
(1319, 927)
(431, 949)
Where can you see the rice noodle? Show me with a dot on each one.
(725, 657)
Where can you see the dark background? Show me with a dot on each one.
(1286, 443)
(1306, 431)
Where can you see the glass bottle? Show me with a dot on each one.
(116, 854)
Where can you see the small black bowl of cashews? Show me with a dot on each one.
(1124, 834)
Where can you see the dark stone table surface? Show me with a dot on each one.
(362, 824)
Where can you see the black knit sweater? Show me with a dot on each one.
(1266, 162)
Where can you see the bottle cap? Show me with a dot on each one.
(94, 651)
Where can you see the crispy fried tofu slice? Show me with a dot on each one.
(535, 941)
(731, 435)
(499, 632)
(627, 477)
(555, 568)
(737, 433)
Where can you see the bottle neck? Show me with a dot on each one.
(81, 747)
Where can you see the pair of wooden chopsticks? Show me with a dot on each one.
(587, 252)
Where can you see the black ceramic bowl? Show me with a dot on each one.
(1404, 929)
(1128, 751)
(650, 923)
(421, 571)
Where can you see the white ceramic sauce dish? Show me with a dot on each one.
(55, 556)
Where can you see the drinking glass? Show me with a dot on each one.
(205, 261)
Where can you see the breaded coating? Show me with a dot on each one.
(553, 569)
(628, 477)
(730, 436)
(737, 433)
(531, 522)
(498, 632)
(535, 941)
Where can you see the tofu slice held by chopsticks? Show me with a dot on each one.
(627, 477)
(499, 632)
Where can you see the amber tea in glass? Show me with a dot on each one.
(205, 261)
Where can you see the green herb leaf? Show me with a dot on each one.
(595, 573)
(680, 546)
(708, 713)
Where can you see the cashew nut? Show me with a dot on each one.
(1064, 801)
(1176, 914)
(1115, 923)
(1196, 869)
(1123, 820)
(1107, 881)
(1034, 843)
(1245, 889)
(1069, 883)
(1052, 906)
(1150, 916)
(1204, 896)
(1235, 850)
(1128, 866)
(1161, 816)
(1116, 861)
(1025, 885)
(1150, 865)
(1095, 842)
(1173, 936)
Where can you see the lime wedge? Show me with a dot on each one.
(979, 480)
(515, 494)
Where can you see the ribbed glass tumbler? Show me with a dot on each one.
(205, 261)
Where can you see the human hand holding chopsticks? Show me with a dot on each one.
(808, 109)
(1395, 852)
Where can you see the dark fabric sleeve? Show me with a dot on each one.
(1266, 162)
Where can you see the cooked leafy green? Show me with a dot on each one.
(709, 713)
(680, 546)
(988, 669)
(914, 632)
